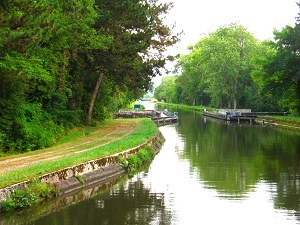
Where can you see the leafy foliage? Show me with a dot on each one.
(283, 71)
(51, 57)
(134, 162)
(22, 198)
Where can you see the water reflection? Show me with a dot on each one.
(125, 204)
(234, 159)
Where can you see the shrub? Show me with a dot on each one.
(22, 198)
(143, 156)
(41, 190)
(134, 162)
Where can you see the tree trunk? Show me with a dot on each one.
(62, 77)
(234, 103)
(94, 96)
(235, 93)
(228, 104)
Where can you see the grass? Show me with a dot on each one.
(289, 122)
(287, 118)
(144, 130)
(188, 107)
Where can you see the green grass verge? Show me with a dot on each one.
(288, 122)
(144, 130)
(188, 107)
(287, 118)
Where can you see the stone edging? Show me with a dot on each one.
(91, 172)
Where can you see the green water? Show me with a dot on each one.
(208, 172)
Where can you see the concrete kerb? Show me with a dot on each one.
(66, 180)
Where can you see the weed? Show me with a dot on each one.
(134, 162)
(23, 198)
(122, 161)
(80, 179)
(28, 196)
(41, 189)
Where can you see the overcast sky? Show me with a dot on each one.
(260, 17)
(198, 17)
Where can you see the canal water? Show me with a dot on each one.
(207, 172)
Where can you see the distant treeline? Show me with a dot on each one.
(74, 62)
(230, 68)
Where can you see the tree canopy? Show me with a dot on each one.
(67, 63)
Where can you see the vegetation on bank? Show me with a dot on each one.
(144, 129)
(143, 157)
(291, 122)
(291, 119)
(37, 191)
(187, 107)
(32, 194)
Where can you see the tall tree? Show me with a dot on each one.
(192, 80)
(259, 97)
(227, 54)
(282, 78)
(139, 41)
(224, 59)
(167, 90)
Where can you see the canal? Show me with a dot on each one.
(207, 172)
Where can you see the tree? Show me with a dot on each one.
(282, 77)
(227, 55)
(139, 40)
(192, 82)
(167, 90)
(26, 79)
(65, 63)
(258, 97)
(219, 66)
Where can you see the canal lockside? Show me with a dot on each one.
(159, 117)
(239, 115)
(94, 171)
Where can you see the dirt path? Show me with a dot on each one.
(96, 139)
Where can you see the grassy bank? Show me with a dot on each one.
(141, 131)
(289, 122)
(288, 119)
(187, 107)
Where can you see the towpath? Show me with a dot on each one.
(106, 134)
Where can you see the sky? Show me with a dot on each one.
(260, 17)
(198, 17)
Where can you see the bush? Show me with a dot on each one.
(22, 198)
(31, 128)
(143, 156)
(134, 162)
